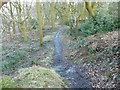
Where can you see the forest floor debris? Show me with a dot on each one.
(98, 54)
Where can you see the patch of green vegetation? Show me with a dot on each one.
(79, 42)
(8, 82)
(90, 58)
(99, 23)
(46, 61)
(7, 49)
(91, 49)
(43, 62)
(108, 74)
(10, 61)
(34, 77)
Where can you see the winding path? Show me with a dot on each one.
(74, 78)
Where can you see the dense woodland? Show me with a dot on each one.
(36, 35)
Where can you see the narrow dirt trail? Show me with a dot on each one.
(74, 78)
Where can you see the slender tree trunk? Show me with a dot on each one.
(40, 21)
(89, 8)
(24, 33)
(21, 23)
(52, 11)
(12, 16)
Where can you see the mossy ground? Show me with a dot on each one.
(33, 77)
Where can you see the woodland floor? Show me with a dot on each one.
(30, 53)
(96, 55)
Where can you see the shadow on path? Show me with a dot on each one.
(70, 71)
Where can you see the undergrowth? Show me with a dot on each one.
(98, 24)
(17, 54)
(10, 61)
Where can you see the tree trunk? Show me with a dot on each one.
(24, 33)
(40, 21)
(52, 11)
(89, 8)
(12, 16)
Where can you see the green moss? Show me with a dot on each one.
(108, 74)
(34, 77)
(8, 82)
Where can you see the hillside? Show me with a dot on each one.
(98, 54)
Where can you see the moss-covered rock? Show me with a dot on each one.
(36, 77)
